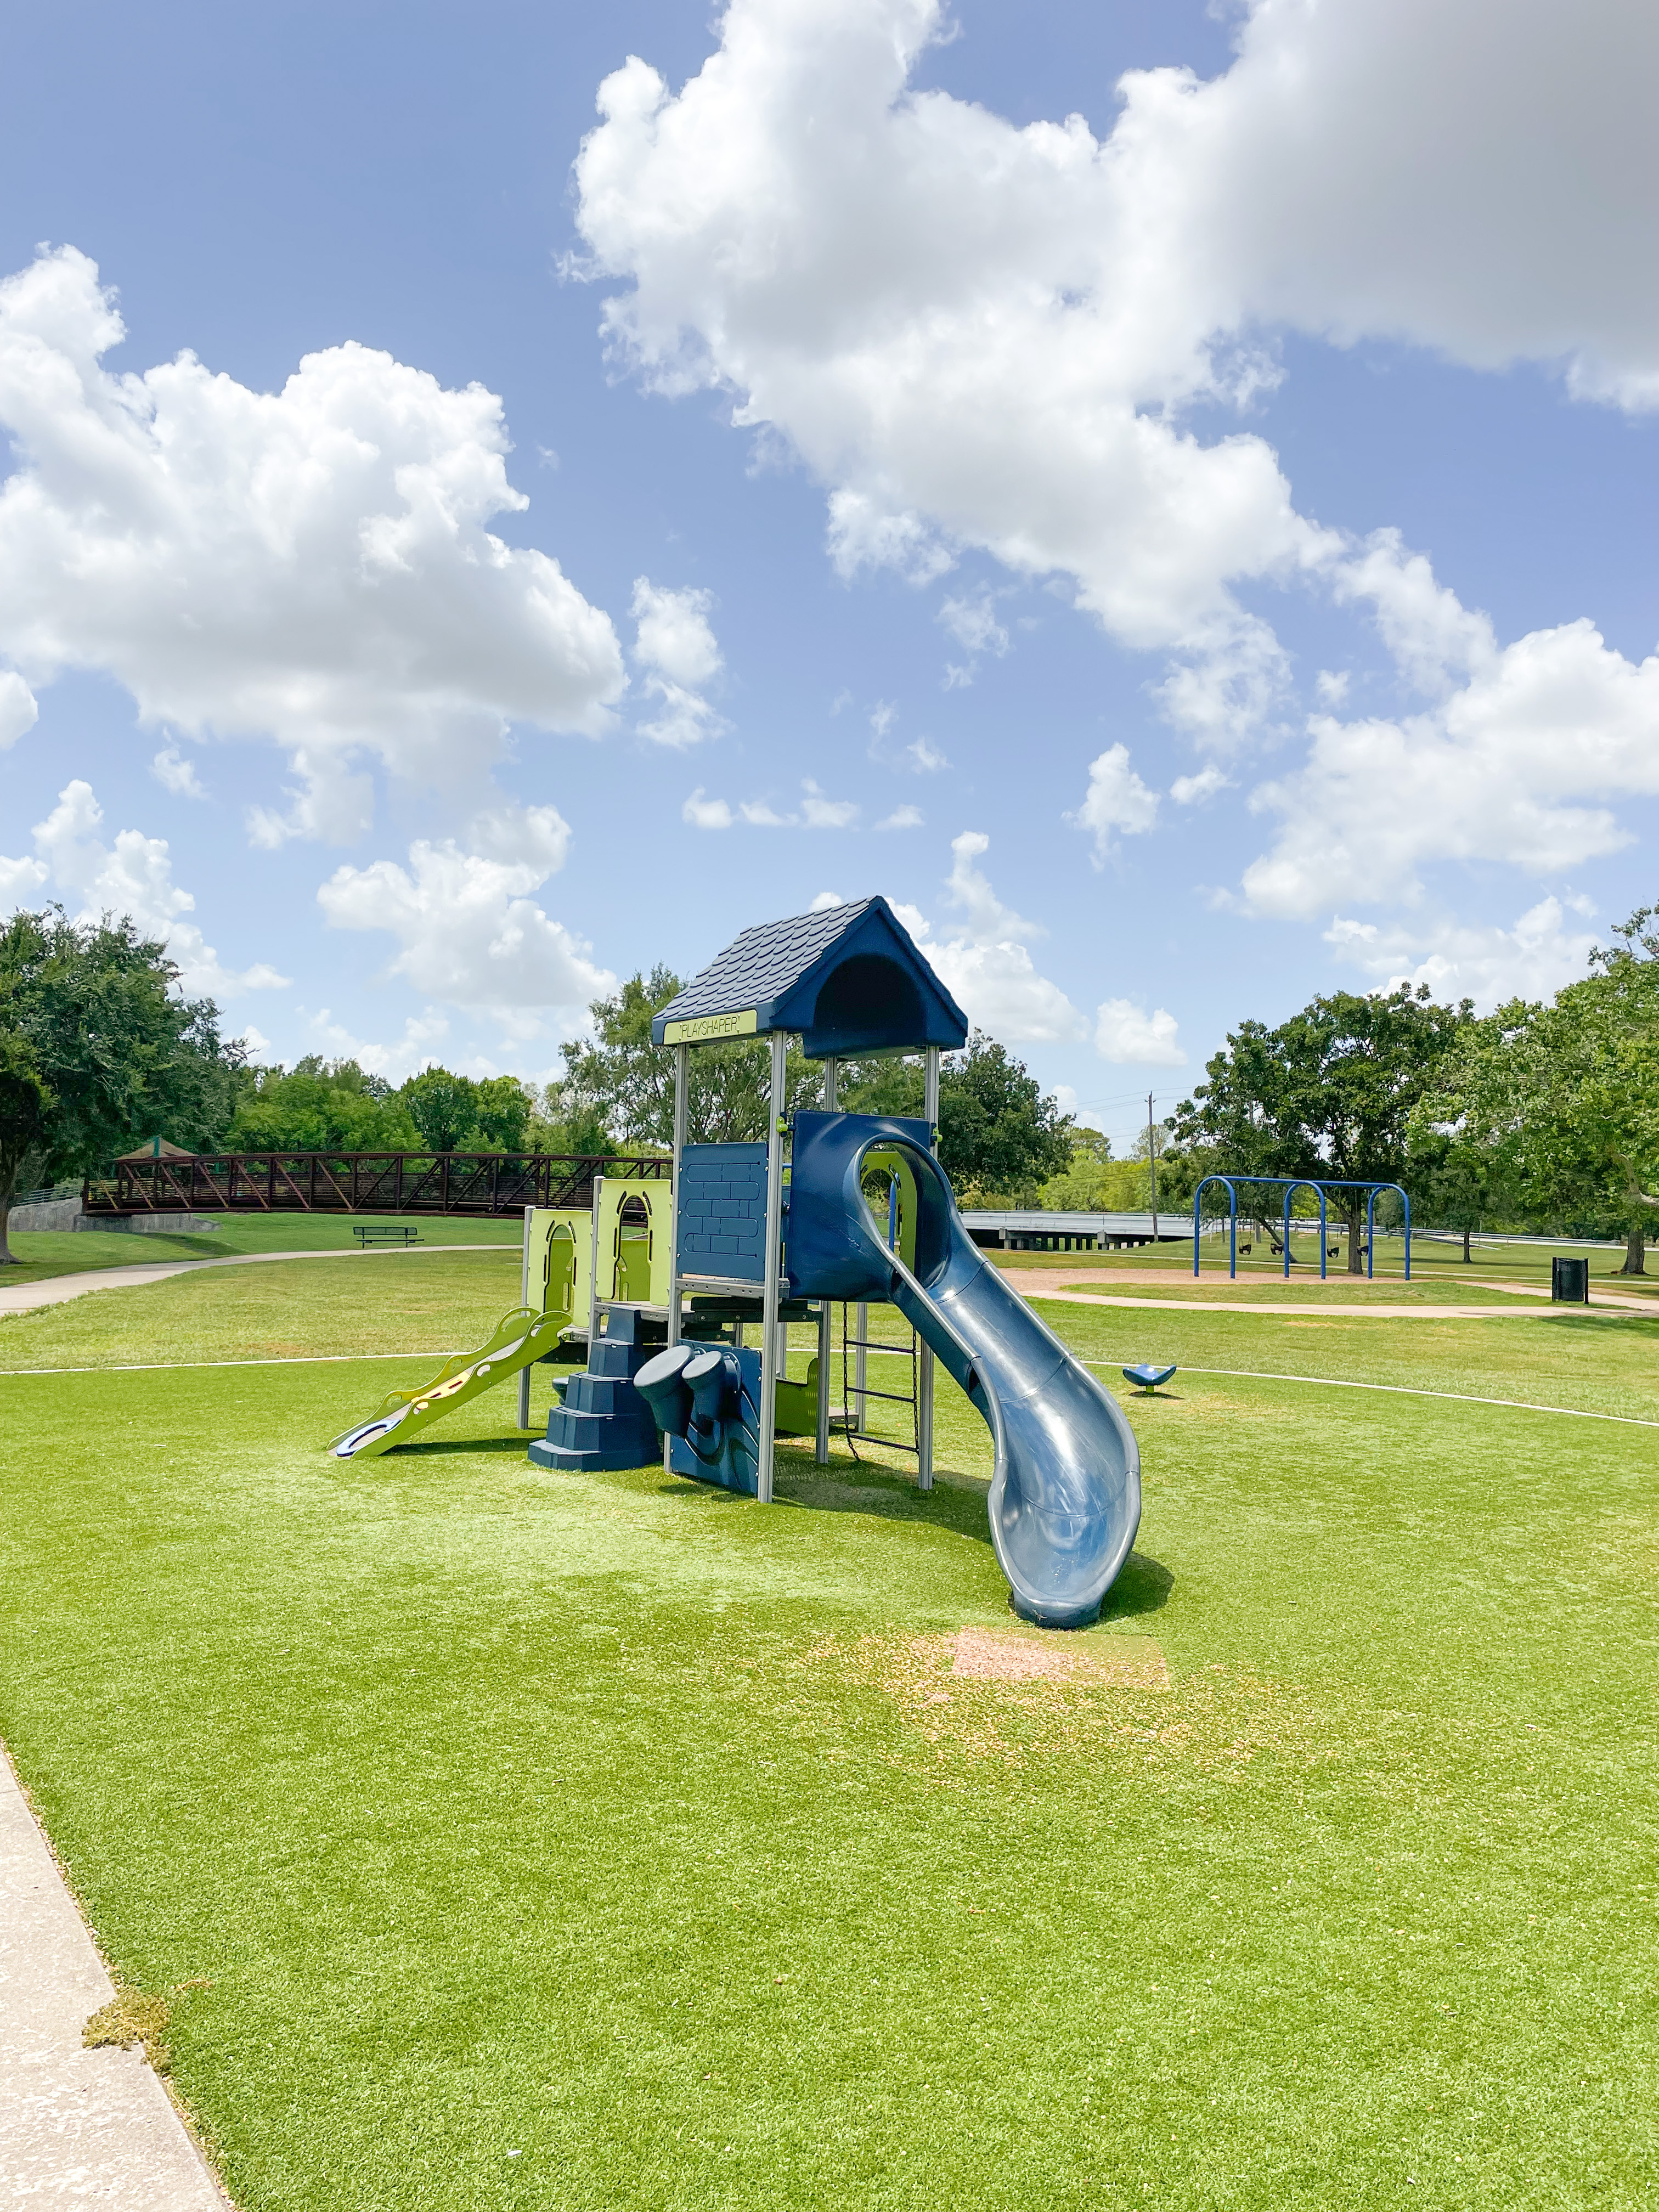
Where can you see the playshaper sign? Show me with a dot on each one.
(702, 1029)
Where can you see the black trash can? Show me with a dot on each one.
(1570, 1282)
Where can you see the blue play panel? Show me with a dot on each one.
(1147, 1375)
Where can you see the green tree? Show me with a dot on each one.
(562, 1124)
(98, 1049)
(443, 1108)
(1567, 1095)
(626, 1084)
(503, 1108)
(1458, 1179)
(998, 1132)
(319, 1106)
(1083, 1184)
(1001, 1136)
(1328, 1093)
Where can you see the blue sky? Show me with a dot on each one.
(1214, 535)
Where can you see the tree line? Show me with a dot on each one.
(1541, 1116)
(1537, 1116)
(100, 1050)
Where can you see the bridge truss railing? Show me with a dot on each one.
(478, 1183)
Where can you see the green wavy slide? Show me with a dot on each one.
(517, 1339)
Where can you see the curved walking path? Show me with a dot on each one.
(77, 2126)
(1035, 1283)
(58, 1290)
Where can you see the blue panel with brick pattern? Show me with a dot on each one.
(722, 1212)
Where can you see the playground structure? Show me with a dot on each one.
(1291, 1185)
(620, 1241)
(660, 1280)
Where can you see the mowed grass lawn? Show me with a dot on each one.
(504, 1838)
(42, 1253)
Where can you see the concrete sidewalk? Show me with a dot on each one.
(1033, 1285)
(1328, 1291)
(77, 2127)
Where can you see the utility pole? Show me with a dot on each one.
(1151, 1160)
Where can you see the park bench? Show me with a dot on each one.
(388, 1233)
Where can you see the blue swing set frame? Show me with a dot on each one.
(1291, 1185)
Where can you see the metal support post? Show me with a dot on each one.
(682, 1090)
(856, 1410)
(524, 1300)
(593, 1268)
(925, 1356)
(773, 1265)
(821, 1447)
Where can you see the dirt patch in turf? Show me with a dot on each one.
(993, 1655)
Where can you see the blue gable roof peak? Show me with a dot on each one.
(848, 979)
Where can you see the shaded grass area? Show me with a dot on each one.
(42, 1253)
(462, 1810)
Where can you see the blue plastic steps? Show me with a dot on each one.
(605, 1394)
(603, 1423)
(617, 1362)
(559, 1459)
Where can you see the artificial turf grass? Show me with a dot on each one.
(1601, 1364)
(418, 1967)
(442, 1303)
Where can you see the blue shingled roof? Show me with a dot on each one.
(786, 973)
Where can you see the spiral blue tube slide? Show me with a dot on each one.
(1065, 1497)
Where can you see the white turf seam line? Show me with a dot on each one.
(185, 1366)
(1405, 1390)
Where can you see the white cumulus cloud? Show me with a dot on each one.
(1087, 1117)
(681, 657)
(1518, 763)
(417, 1047)
(467, 927)
(311, 565)
(982, 335)
(983, 957)
(1532, 959)
(971, 619)
(963, 327)
(1193, 790)
(1116, 799)
(176, 774)
(1127, 1032)
(817, 811)
(19, 711)
(20, 879)
(704, 813)
(132, 876)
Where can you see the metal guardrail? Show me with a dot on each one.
(477, 1183)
